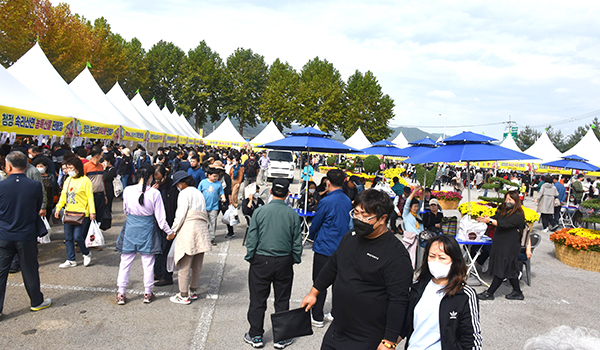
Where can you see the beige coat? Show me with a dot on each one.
(191, 224)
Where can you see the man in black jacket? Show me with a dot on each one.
(169, 194)
(20, 203)
(371, 273)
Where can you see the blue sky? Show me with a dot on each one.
(473, 62)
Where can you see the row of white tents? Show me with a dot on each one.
(33, 84)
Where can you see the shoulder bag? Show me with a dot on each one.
(73, 217)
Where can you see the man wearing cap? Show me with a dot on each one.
(143, 159)
(329, 225)
(274, 244)
(432, 220)
(349, 188)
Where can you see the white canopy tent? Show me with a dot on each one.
(184, 124)
(165, 111)
(509, 142)
(138, 102)
(401, 141)
(358, 140)
(588, 147)
(190, 126)
(544, 150)
(153, 107)
(35, 71)
(226, 132)
(117, 96)
(16, 95)
(86, 88)
(269, 134)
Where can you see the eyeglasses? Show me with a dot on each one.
(353, 215)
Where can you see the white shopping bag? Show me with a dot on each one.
(94, 238)
(46, 238)
(171, 257)
(230, 217)
(468, 226)
(384, 187)
(118, 186)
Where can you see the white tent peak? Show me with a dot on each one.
(165, 111)
(140, 105)
(401, 141)
(358, 140)
(87, 89)
(226, 132)
(509, 142)
(117, 96)
(587, 148)
(269, 134)
(35, 71)
(543, 149)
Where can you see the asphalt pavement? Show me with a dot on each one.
(84, 313)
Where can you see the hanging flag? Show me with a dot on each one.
(152, 98)
(88, 64)
(137, 91)
(593, 126)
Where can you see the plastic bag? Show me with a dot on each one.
(118, 186)
(230, 217)
(171, 257)
(470, 230)
(46, 238)
(94, 238)
(384, 187)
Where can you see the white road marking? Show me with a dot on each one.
(208, 310)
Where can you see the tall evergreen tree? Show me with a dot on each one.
(527, 137)
(165, 63)
(366, 107)
(280, 99)
(245, 81)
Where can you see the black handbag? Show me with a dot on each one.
(291, 324)
(106, 221)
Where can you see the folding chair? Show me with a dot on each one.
(535, 241)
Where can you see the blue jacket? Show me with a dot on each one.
(20, 202)
(197, 174)
(140, 162)
(331, 222)
(562, 192)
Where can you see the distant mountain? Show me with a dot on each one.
(411, 134)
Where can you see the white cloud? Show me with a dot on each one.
(441, 94)
(501, 58)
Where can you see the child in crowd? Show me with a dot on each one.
(213, 192)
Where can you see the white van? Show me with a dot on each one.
(282, 165)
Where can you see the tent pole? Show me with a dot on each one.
(469, 186)
(307, 178)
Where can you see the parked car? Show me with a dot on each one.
(282, 165)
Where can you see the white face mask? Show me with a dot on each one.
(439, 270)
(30, 156)
(312, 190)
(41, 170)
(72, 173)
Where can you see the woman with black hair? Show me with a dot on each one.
(143, 206)
(443, 311)
(42, 164)
(76, 197)
(506, 246)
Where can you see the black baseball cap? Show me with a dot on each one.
(281, 185)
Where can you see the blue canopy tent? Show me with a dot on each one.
(385, 148)
(468, 147)
(419, 147)
(308, 140)
(572, 162)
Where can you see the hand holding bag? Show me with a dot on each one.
(45, 238)
(94, 238)
(291, 324)
(171, 257)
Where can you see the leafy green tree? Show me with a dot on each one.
(20, 24)
(165, 64)
(321, 95)
(557, 138)
(527, 137)
(108, 57)
(364, 101)
(137, 73)
(576, 136)
(201, 85)
(245, 81)
(280, 99)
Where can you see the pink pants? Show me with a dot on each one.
(147, 264)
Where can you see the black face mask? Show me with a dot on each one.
(509, 205)
(362, 228)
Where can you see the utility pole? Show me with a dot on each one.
(511, 127)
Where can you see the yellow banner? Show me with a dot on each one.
(156, 137)
(131, 134)
(551, 170)
(224, 143)
(23, 122)
(200, 132)
(171, 139)
(182, 140)
(93, 130)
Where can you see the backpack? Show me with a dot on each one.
(251, 168)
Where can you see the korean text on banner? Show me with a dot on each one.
(94, 130)
(171, 139)
(156, 137)
(131, 134)
(23, 122)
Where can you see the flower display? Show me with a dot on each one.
(483, 208)
(577, 238)
(393, 172)
(443, 195)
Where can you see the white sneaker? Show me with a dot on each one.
(87, 259)
(328, 317)
(178, 299)
(67, 264)
(318, 324)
